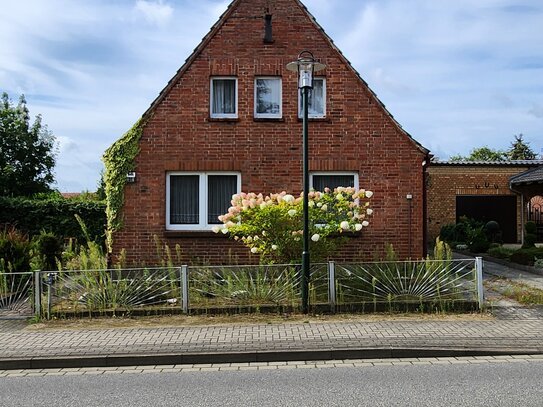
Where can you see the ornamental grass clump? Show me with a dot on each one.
(271, 226)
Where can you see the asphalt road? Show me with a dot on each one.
(485, 384)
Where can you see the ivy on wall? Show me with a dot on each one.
(119, 160)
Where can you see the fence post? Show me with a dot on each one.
(185, 287)
(332, 285)
(37, 294)
(479, 273)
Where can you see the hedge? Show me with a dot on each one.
(57, 216)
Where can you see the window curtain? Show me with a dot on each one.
(316, 98)
(184, 199)
(332, 181)
(268, 96)
(224, 96)
(220, 189)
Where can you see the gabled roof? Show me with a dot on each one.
(223, 18)
(533, 176)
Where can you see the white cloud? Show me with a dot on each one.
(154, 12)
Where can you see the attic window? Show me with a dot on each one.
(268, 32)
(224, 97)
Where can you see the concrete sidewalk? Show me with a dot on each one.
(22, 347)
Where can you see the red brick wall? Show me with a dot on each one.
(446, 182)
(357, 135)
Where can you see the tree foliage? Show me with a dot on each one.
(520, 150)
(481, 154)
(27, 151)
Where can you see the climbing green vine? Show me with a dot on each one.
(119, 160)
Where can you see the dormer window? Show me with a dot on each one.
(224, 98)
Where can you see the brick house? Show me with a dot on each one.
(229, 121)
(508, 192)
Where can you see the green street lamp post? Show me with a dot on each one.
(305, 65)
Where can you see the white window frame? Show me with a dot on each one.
(203, 225)
(343, 173)
(314, 116)
(269, 115)
(222, 115)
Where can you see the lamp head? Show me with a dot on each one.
(306, 66)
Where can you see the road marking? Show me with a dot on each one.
(240, 367)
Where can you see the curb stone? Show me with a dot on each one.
(246, 357)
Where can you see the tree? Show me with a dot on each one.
(27, 151)
(520, 150)
(482, 154)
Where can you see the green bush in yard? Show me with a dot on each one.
(479, 243)
(15, 251)
(54, 214)
(49, 250)
(500, 252)
(527, 256)
(530, 236)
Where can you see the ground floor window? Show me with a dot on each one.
(194, 201)
(321, 180)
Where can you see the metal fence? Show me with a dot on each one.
(333, 286)
(16, 294)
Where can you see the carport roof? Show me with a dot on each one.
(532, 176)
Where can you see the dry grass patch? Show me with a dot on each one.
(243, 319)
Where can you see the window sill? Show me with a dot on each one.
(316, 119)
(193, 233)
(268, 119)
(223, 119)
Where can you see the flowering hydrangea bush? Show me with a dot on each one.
(271, 226)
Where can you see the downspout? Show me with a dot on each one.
(425, 165)
(521, 211)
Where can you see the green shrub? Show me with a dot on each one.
(54, 214)
(500, 252)
(492, 231)
(15, 251)
(447, 233)
(49, 248)
(529, 240)
(479, 243)
(530, 228)
(463, 232)
(526, 256)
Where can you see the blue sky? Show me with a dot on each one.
(456, 74)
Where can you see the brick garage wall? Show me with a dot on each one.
(357, 135)
(446, 182)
